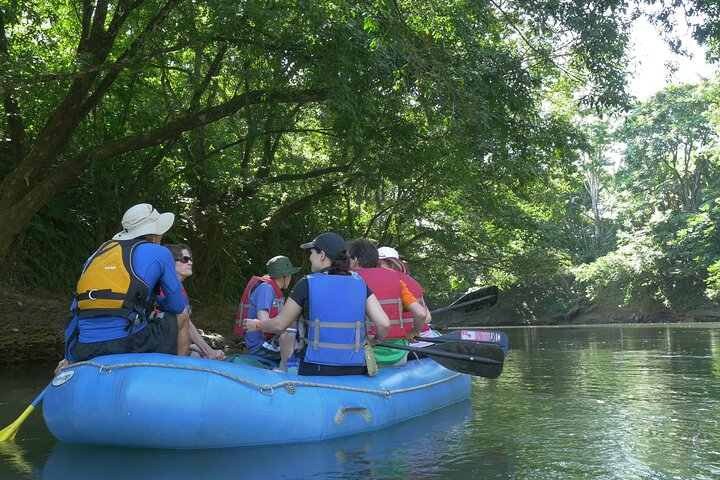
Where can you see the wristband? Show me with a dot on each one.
(257, 327)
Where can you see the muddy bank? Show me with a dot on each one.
(33, 327)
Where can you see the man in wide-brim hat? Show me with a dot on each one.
(116, 294)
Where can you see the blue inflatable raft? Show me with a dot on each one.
(165, 401)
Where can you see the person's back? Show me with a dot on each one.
(117, 292)
(389, 258)
(153, 264)
(332, 305)
(385, 284)
(336, 323)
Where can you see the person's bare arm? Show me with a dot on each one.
(419, 319)
(378, 317)
(290, 312)
(419, 312)
(200, 342)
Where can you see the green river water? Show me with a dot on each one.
(600, 402)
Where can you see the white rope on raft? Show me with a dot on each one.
(265, 389)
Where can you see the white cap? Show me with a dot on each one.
(388, 252)
(143, 219)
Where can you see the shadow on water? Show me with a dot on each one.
(414, 449)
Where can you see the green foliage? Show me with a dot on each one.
(446, 129)
(665, 194)
(627, 274)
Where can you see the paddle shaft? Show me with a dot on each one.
(8, 433)
(431, 352)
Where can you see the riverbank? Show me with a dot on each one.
(600, 312)
(33, 324)
(33, 327)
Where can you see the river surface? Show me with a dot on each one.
(600, 402)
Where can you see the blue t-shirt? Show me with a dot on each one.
(261, 298)
(154, 264)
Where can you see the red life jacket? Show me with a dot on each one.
(245, 304)
(385, 284)
(417, 292)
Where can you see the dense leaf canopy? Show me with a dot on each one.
(448, 130)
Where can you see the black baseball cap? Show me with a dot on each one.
(331, 243)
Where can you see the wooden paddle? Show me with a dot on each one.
(9, 432)
(479, 359)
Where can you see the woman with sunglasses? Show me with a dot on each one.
(183, 267)
(333, 303)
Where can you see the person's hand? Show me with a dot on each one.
(373, 341)
(413, 336)
(251, 324)
(216, 354)
(61, 364)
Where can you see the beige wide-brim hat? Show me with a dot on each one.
(143, 219)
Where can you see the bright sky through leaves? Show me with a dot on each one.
(651, 54)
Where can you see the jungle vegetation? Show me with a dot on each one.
(476, 137)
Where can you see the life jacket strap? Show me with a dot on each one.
(336, 346)
(105, 294)
(317, 324)
(357, 326)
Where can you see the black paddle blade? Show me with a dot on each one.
(470, 302)
(480, 359)
(486, 297)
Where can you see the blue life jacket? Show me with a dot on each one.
(336, 327)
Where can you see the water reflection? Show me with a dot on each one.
(410, 450)
(15, 458)
(613, 402)
(618, 402)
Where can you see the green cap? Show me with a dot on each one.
(279, 266)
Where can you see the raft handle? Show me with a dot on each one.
(343, 411)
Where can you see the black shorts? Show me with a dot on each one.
(272, 353)
(308, 368)
(159, 336)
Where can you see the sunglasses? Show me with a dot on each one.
(184, 259)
